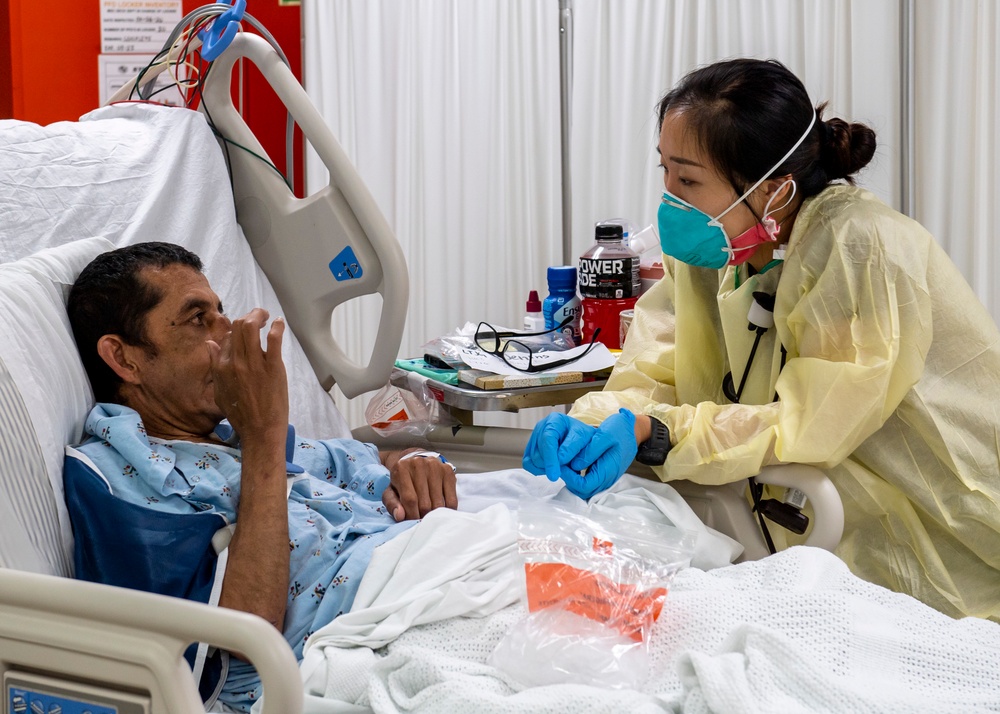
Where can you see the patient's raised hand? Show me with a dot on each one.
(251, 386)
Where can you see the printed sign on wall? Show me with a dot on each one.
(132, 32)
(137, 25)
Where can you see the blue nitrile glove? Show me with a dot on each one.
(555, 441)
(606, 457)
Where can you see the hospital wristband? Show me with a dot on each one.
(429, 455)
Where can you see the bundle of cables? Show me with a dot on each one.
(188, 54)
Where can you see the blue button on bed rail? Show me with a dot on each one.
(346, 266)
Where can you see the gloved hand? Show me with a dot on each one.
(605, 458)
(555, 441)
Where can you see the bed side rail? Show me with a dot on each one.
(319, 251)
(132, 642)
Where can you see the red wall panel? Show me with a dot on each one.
(6, 90)
(52, 73)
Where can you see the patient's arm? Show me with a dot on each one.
(251, 389)
(417, 486)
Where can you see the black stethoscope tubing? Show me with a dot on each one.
(763, 302)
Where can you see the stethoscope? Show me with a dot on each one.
(760, 318)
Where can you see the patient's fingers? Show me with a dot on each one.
(214, 352)
(450, 489)
(419, 485)
(251, 386)
(245, 334)
(422, 484)
(274, 337)
(258, 316)
(391, 501)
(403, 492)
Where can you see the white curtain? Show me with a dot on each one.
(630, 52)
(450, 110)
(957, 162)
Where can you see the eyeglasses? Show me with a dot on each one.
(499, 343)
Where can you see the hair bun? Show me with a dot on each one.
(846, 148)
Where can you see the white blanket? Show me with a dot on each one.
(796, 632)
(456, 566)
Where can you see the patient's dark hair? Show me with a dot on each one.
(111, 298)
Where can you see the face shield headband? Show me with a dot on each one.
(693, 237)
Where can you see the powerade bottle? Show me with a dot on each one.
(609, 283)
(562, 301)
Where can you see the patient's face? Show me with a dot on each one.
(176, 391)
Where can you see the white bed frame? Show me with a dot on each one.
(84, 637)
(88, 635)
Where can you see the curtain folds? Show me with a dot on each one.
(957, 162)
(628, 53)
(450, 111)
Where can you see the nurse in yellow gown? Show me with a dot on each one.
(882, 368)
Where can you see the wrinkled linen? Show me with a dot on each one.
(794, 632)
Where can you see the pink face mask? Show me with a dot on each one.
(764, 231)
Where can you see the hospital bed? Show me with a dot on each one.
(133, 172)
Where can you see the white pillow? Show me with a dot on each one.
(40, 355)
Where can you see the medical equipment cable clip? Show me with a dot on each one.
(217, 36)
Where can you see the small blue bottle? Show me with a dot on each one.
(562, 301)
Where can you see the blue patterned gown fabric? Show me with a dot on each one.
(189, 490)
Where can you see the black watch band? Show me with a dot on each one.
(653, 451)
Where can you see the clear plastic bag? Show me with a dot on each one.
(448, 348)
(414, 411)
(594, 585)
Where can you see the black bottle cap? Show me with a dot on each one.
(610, 231)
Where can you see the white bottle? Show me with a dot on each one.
(534, 321)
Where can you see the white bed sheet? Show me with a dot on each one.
(461, 565)
(794, 632)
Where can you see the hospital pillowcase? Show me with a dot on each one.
(45, 397)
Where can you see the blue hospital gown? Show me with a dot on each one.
(335, 512)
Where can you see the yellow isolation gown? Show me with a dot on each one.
(890, 386)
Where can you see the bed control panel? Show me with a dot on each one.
(29, 693)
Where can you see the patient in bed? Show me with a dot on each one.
(192, 483)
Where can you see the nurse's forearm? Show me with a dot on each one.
(256, 579)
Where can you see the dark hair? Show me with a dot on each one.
(111, 298)
(747, 113)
